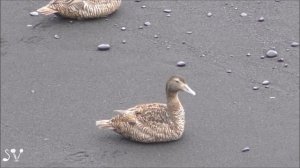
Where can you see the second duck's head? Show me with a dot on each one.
(177, 83)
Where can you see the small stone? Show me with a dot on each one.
(103, 47)
(209, 14)
(29, 25)
(255, 88)
(189, 32)
(155, 36)
(244, 14)
(248, 54)
(168, 15)
(266, 82)
(286, 65)
(106, 19)
(280, 60)
(246, 149)
(144, 6)
(167, 10)
(262, 57)
(123, 41)
(287, 49)
(46, 139)
(147, 23)
(34, 13)
(272, 97)
(235, 8)
(32, 91)
(228, 70)
(141, 27)
(180, 64)
(123, 28)
(261, 19)
(203, 55)
(56, 36)
(295, 44)
(267, 86)
(271, 53)
(168, 47)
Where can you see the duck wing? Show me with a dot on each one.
(147, 114)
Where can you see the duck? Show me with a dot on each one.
(80, 9)
(152, 122)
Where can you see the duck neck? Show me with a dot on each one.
(173, 102)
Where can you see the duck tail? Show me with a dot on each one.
(46, 10)
(104, 124)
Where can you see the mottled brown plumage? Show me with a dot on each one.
(81, 9)
(154, 122)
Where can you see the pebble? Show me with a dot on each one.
(255, 88)
(144, 6)
(34, 13)
(189, 32)
(280, 60)
(272, 97)
(271, 54)
(167, 10)
(32, 91)
(147, 23)
(244, 14)
(228, 70)
(261, 19)
(168, 15)
(267, 86)
(286, 65)
(123, 28)
(262, 57)
(266, 82)
(155, 36)
(180, 64)
(246, 149)
(295, 44)
(248, 55)
(209, 14)
(123, 41)
(141, 27)
(56, 36)
(103, 47)
(29, 25)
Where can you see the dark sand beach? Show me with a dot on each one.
(54, 89)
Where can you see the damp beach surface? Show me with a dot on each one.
(54, 89)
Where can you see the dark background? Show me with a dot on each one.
(53, 90)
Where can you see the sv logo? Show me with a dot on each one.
(13, 151)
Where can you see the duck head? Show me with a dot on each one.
(176, 84)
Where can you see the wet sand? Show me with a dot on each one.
(53, 90)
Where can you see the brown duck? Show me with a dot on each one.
(81, 9)
(154, 122)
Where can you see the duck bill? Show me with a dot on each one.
(187, 89)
